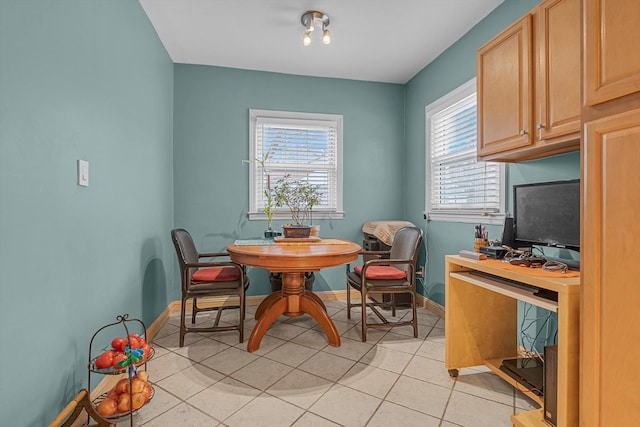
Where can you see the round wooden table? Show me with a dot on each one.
(293, 259)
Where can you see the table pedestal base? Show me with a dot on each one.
(292, 301)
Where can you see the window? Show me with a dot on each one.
(307, 146)
(458, 187)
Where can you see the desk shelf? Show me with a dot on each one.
(529, 418)
(494, 365)
(510, 291)
(481, 328)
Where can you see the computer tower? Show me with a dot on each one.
(550, 386)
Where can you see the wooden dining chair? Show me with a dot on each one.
(200, 279)
(393, 275)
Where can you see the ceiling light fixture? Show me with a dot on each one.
(308, 21)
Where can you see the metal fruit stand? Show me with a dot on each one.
(129, 367)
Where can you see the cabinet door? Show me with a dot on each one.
(610, 379)
(505, 90)
(558, 72)
(612, 67)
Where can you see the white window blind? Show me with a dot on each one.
(459, 187)
(304, 146)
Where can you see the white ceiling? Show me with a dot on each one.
(374, 40)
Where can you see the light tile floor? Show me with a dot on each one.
(297, 379)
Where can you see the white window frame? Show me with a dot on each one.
(255, 152)
(462, 214)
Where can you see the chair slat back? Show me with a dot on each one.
(185, 248)
(406, 245)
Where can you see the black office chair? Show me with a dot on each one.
(393, 275)
(208, 279)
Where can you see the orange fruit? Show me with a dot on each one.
(146, 392)
(136, 386)
(143, 375)
(137, 400)
(122, 386)
(107, 407)
(124, 402)
(113, 394)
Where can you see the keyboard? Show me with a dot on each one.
(539, 292)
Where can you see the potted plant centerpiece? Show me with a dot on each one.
(300, 197)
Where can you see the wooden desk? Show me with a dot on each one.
(481, 327)
(293, 260)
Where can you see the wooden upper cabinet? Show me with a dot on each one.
(529, 86)
(558, 71)
(612, 62)
(505, 89)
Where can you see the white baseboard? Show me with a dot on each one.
(174, 306)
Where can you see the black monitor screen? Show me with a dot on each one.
(547, 213)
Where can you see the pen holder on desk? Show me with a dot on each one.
(478, 243)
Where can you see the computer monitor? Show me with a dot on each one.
(547, 213)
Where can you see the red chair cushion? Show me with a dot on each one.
(381, 272)
(216, 274)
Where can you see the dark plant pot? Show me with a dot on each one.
(276, 281)
(296, 231)
(270, 234)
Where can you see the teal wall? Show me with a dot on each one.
(89, 79)
(211, 138)
(454, 67)
(79, 79)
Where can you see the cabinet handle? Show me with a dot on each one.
(523, 132)
(540, 126)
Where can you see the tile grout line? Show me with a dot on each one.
(333, 383)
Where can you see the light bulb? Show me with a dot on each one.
(326, 37)
(306, 39)
(312, 25)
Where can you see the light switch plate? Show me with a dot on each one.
(83, 173)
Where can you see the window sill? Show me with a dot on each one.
(492, 219)
(259, 216)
